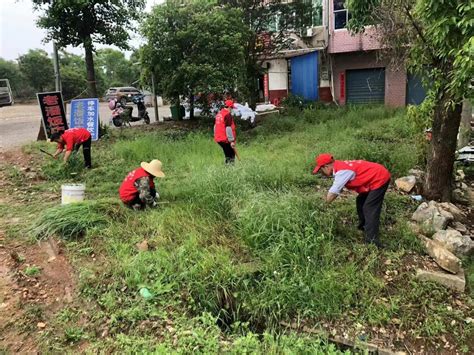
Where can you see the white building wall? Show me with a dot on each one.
(278, 75)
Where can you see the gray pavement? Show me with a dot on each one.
(19, 124)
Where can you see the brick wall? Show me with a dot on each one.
(395, 80)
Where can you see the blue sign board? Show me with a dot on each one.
(85, 114)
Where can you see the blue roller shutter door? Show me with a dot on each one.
(416, 93)
(365, 86)
(304, 76)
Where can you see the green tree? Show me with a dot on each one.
(196, 48)
(266, 32)
(10, 70)
(85, 22)
(117, 70)
(37, 68)
(434, 39)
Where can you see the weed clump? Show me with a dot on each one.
(74, 220)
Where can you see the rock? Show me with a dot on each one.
(459, 227)
(431, 218)
(41, 325)
(31, 175)
(459, 196)
(455, 242)
(452, 208)
(406, 183)
(456, 282)
(460, 175)
(443, 257)
(419, 174)
(422, 213)
(143, 246)
(68, 294)
(470, 197)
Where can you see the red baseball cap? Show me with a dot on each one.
(321, 160)
(229, 103)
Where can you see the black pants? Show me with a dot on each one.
(86, 151)
(229, 152)
(139, 203)
(369, 206)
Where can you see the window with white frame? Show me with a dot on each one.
(341, 15)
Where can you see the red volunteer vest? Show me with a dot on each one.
(219, 126)
(74, 136)
(368, 176)
(127, 190)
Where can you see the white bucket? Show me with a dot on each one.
(72, 193)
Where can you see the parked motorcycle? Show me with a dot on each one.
(122, 114)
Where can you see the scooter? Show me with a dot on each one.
(122, 114)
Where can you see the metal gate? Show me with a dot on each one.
(416, 93)
(304, 76)
(365, 86)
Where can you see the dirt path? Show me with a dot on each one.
(28, 303)
(29, 299)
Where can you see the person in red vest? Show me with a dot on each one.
(73, 138)
(138, 188)
(369, 180)
(224, 131)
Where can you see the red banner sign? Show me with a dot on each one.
(266, 91)
(342, 84)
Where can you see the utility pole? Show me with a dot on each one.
(155, 101)
(57, 76)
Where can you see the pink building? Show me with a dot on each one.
(328, 63)
(358, 75)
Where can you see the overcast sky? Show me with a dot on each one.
(18, 31)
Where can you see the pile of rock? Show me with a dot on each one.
(449, 241)
(461, 193)
(410, 183)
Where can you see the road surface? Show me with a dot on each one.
(19, 124)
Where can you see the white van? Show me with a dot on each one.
(6, 97)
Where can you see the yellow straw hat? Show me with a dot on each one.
(153, 167)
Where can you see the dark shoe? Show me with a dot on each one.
(376, 243)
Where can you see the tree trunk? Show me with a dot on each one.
(252, 88)
(439, 170)
(191, 106)
(90, 68)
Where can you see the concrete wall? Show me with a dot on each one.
(278, 79)
(341, 41)
(395, 80)
(278, 74)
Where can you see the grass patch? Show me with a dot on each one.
(74, 220)
(32, 271)
(236, 250)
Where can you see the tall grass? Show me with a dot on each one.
(74, 220)
(249, 243)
